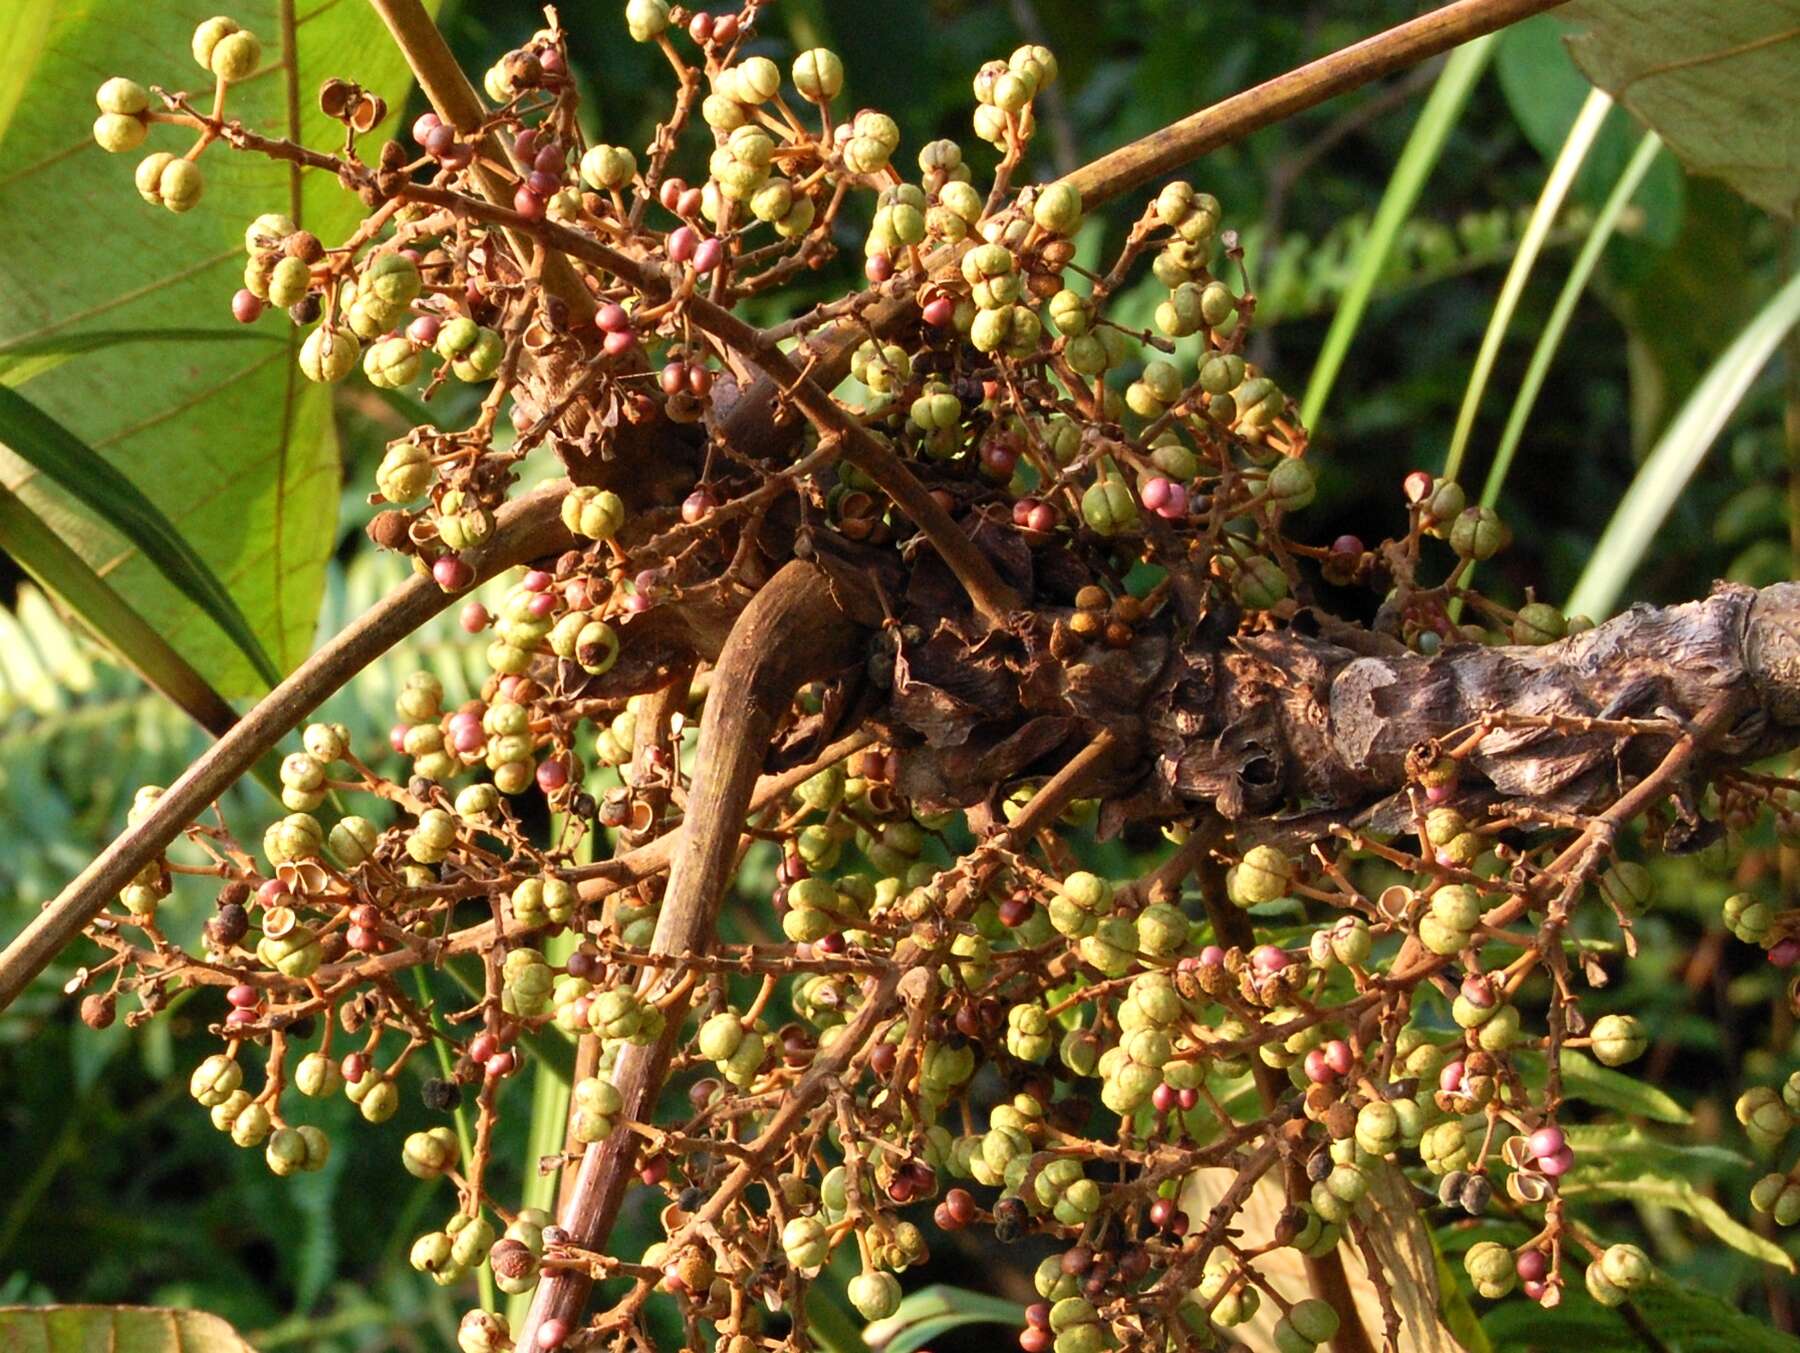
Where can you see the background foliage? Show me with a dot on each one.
(120, 1191)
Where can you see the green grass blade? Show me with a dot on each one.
(548, 1129)
(42, 553)
(1423, 148)
(1678, 454)
(37, 438)
(1569, 160)
(1558, 323)
(21, 361)
(465, 1139)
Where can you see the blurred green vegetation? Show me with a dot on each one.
(119, 1190)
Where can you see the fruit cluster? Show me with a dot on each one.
(1074, 1053)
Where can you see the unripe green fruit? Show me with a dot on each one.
(594, 513)
(405, 472)
(1478, 533)
(1619, 1039)
(1627, 886)
(317, 1076)
(380, 1102)
(119, 132)
(1260, 583)
(1457, 906)
(164, 181)
(208, 35)
(391, 363)
(875, 1295)
(214, 1079)
(1108, 507)
(1538, 623)
(352, 840)
(122, 97)
(456, 337)
(251, 1127)
(818, 74)
(608, 167)
(1291, 485)
(328, 355)
(481, 361)
(286, 1152)
(1058, 208)
(720, 1037)
(1263, 875)
(1626, 1266)
(645, 20)
(804, 1242)
(427, 1155)
(1439, 938)
(235, 56)
(1489, 1262)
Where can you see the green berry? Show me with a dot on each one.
(646, 20)
(119, 132)
(207, 37)
(1619, 1039)
(328, 355)
(235, 56)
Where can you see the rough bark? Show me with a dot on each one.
(1289, 731)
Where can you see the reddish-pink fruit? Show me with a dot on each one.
(243, 995)
(553, 1333)
(725, 30)
(1558, 1163)
(474, 617)
(1417, 486)
(542, 184)
(614, 318)
(670, 192)
(616, 342)
(549, 160)
(696, 505)
(938, 312)
(1212, 957)
(690, 201)
(1339, 1057)
(552, 774)
(451, 573)
(273, 893)
(397, 736)
(1188, 1098)
(1450, 1079)
(536, 580)
(700, 27)
(683, 241)
(1785, 954)
(541, 605)
(424, 330)
(709, 254)
(1318, 1070)
(1164, 1097)
(502, 1064)
(527, 203)
(1268, 958)
(246, 306)
(525, 145)
(424, 125)
(439, 139)
(878, 268)
(1546, 1141)
(1532, 1265)
(354, 1067)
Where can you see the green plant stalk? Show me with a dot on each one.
(1568, 164)
(547, 1132)
(1564, 310)
(1423, 148)
(1678, 454)
(465, 1140)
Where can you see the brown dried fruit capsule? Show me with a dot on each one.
(236, 892)
(1340, 1121)
(1119, 635)
(305, 246)
(98, 1010)
(1092, 598)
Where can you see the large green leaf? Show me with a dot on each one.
(119, 1329)
(1586, 1080)
(1715, 81)
(225, 438)
(1684, 1197)
(1683, 1319)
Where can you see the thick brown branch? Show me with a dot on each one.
(1231, 120)
(790, 634)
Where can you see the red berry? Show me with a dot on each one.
(700, 27)
(527, 203)
(424, 125)
(938, 312)
(243, 995)
(1532, 1265)
(246, 306)
(452, 574)
(682, 243)
(671, 192)
(439, 140)
(614, 318)
(483, 1046)
(696, 505)
(725, 29)
(541, 183)
(709, 254)
(878, 268)
(474, 617)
